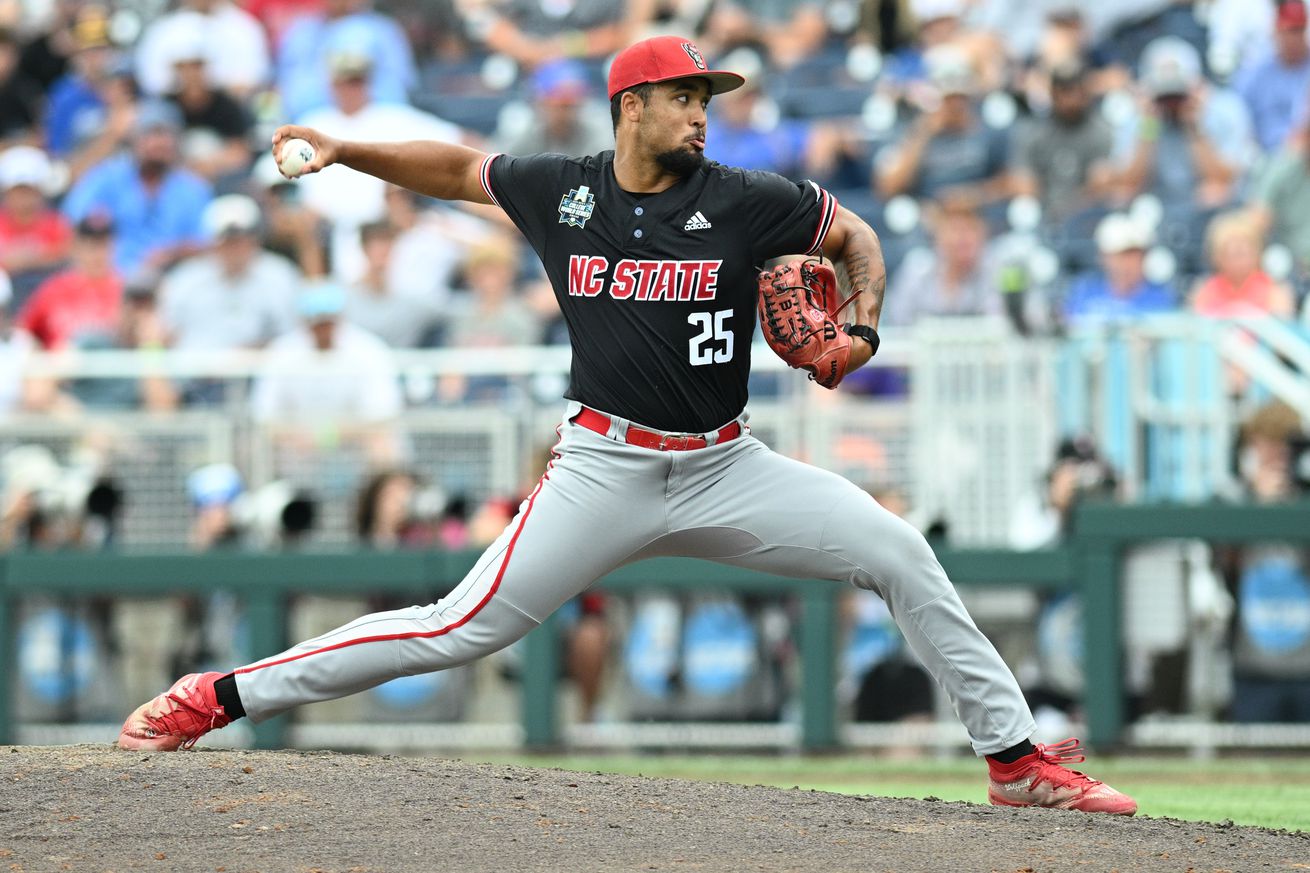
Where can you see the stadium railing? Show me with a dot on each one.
(1090, 564)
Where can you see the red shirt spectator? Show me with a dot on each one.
(1238, 287)
(83, 299)
(32, 235)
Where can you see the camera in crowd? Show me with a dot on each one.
(275, 515)
(51, 504)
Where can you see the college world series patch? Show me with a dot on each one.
(576, 206)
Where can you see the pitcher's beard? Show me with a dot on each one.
(680, 161)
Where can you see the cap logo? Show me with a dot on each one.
(696, 57)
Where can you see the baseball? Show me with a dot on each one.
(293, 156)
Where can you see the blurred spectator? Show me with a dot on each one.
(1270, 441)
(86, 105)
(533, 33)
(492, 312)
(1239, 33)
(1281, 199)
(1120, 290)
(949, 152)
(1271, 646)
(236, 49)
(1043, 520)
(738, 137)
(1276, 87)
(138, 329)
(887, 25)
(394, 512)
(430, 244)
(1064, 158)
(277, 15)
(236, 295)
(345, 27)
(1192, 142)
(85, 298)
(565, 119)
(326, 369)
(48, 50)
(30, 474)
(346, 198)
(34, 238)
(16, 346)
(1065, 42)
(213, 489)
(20, 97)
(948, 25)
(957, 277)
(400, 319)
(216, 127)
(1238, 287)
(156, 204)
(291, 228)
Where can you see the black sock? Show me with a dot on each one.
(1009, 756)
(225, 690)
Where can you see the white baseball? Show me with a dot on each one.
(293, 156)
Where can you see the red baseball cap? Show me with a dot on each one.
(663, 58)
(1291, 15)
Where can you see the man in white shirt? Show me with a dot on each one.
(327, 369)
(234, 296)
(347, 198)
(237, 58)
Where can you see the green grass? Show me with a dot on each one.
(1269, 791)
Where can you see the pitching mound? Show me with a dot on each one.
(94, 808)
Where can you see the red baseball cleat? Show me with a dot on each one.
(1039, 779)
(177, 718)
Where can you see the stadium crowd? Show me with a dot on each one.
(1046, 163)
(140, 209)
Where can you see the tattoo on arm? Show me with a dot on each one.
(866, 272)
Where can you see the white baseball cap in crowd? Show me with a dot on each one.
(931, 10)
(1119, 232)
(187, 38)
(24, 165)
(1170, 65)
(950, 70)
(230, 214)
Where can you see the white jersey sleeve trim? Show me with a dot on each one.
(485, 173)
(827, 211)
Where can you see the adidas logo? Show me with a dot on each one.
(697, 222)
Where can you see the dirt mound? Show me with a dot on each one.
(94, 808)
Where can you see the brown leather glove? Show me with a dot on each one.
(798, 303)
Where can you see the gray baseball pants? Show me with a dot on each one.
(603, 503)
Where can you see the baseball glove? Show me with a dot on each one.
(799, 303)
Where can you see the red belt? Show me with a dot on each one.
(649, 439)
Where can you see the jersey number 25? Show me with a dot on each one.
(713, 345)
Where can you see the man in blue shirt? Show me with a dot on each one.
(154, 202)
(1120, 291)
(949, 153)
(76, 109)
(1275, 87)
(344, 27)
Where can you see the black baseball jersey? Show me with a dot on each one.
(658, 290)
